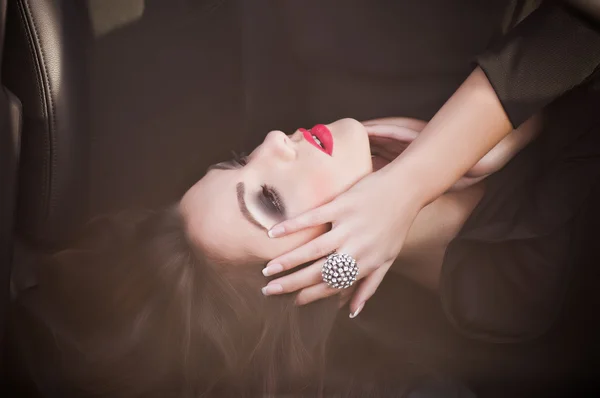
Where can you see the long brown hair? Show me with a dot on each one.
(135, 311)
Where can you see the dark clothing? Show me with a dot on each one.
(315, 62)
(505, 275)
(311, 62)
(551, 51)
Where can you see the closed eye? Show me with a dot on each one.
(268, 197)
(271, 201)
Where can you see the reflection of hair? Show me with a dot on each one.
(133, 311)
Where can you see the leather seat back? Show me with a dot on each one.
(45, 66)
(10, 123)
(117, 109)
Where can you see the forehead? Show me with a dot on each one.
(214, 220)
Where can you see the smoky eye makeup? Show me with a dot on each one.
(270, 202)
(268, 198)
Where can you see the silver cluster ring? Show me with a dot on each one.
(339, 271)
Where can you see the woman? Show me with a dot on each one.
(506, 272)
(541, 60)
(168, 303)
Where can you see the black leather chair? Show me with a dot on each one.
(10, 124)
(114, 97)
(44, 66)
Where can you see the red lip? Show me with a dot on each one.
(323, 134)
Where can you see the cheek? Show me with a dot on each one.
(322, 189)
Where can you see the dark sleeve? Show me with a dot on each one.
(551, 51)
(506, 274)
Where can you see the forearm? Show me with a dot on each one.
(508, 148)
(467, 127)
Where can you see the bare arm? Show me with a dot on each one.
(506, 149)
(465, 129)
(392, 135)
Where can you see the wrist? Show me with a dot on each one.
(406, 184)
(467, 127)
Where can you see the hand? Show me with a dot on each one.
(388, 141)
(369, 222)
(389, 137)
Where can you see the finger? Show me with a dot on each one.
(366, 289)
(346, 295)
(388, 146)
(305, 277)
(390, 153)
(322, 290)
(392, 131)
(382, 157)
(381, 143)
(312, 218)
(413, 124)
(368, 123)
(465, 182)
(314, 293)
(317, 248)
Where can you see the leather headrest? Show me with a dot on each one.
(45, 66)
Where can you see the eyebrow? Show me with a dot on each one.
(240, 188)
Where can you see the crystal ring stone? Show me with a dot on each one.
(339, 271)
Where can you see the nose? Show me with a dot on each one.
(280, 145)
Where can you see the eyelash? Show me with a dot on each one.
(240, 159)
(273, 197)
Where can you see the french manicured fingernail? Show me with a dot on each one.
(272, 269)
(272, 289)
(276, 232)
(358, 310)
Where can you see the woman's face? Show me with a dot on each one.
(230, 210)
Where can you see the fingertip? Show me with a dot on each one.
(272, 269)
(302, 300)
(298, 302)
(272, 289)
(357, 311)
(276, 231)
